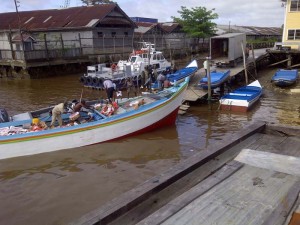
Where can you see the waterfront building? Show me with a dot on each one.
(291, 31)
(55, 34)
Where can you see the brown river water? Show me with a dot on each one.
(59, 187)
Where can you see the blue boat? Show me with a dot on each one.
(242, 98)
(216, 78)
(284, 78)
(180, 75)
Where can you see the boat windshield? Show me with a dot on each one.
(158, 56)
(133, 59)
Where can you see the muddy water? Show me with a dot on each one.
(58, 187)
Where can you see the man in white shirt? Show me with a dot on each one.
(109, 88)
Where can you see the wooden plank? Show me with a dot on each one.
(286, 130)
(279, 215)
(295, 90)
(270, 161)
(156, 201)
(177, 204)
(249, 196)
(134, 197)
(184, 107)
(278, 62)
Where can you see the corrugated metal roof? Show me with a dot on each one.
(143, 27)
(74, 17)
(250, 30)
(228, 35)
(170, 26)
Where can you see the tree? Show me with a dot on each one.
(197, 22)
(96, 2)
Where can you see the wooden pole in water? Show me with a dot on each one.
(244, 58)
(208, 79)
(208, 73)
(254, 61)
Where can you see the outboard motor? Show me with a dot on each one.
(3, 116)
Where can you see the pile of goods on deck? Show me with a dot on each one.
(105, 109)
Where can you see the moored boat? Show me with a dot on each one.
(131, 117)
(217, 78)
(284, 78)
(146, 57)
(181, 74)
(242, 98)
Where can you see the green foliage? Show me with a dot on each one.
(197, 22)
(96, 2)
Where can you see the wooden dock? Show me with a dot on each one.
(251, 178)
(194, 92)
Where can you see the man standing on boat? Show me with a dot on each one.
(56, 113)
(130, 87)
(109, 88)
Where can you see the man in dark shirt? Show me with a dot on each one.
(79, 105)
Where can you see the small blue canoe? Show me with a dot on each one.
(284, 78)
(216, 79)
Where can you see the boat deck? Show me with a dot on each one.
(254, 178)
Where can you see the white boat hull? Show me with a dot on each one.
(138, 121)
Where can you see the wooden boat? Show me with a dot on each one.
(284, 78)
(216, 78)
(242, 98)
(255, 178)
(133, 116)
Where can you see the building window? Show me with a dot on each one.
(295, 5)
(100, 34)
(125, 34)
(297, 35)
(294, 34)
(113, 34)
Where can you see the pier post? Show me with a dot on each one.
(254, 61)
(244, 59)
(208, 79)
(289, 62)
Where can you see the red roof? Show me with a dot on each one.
(75, 17)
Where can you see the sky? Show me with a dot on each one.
(262, 13)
